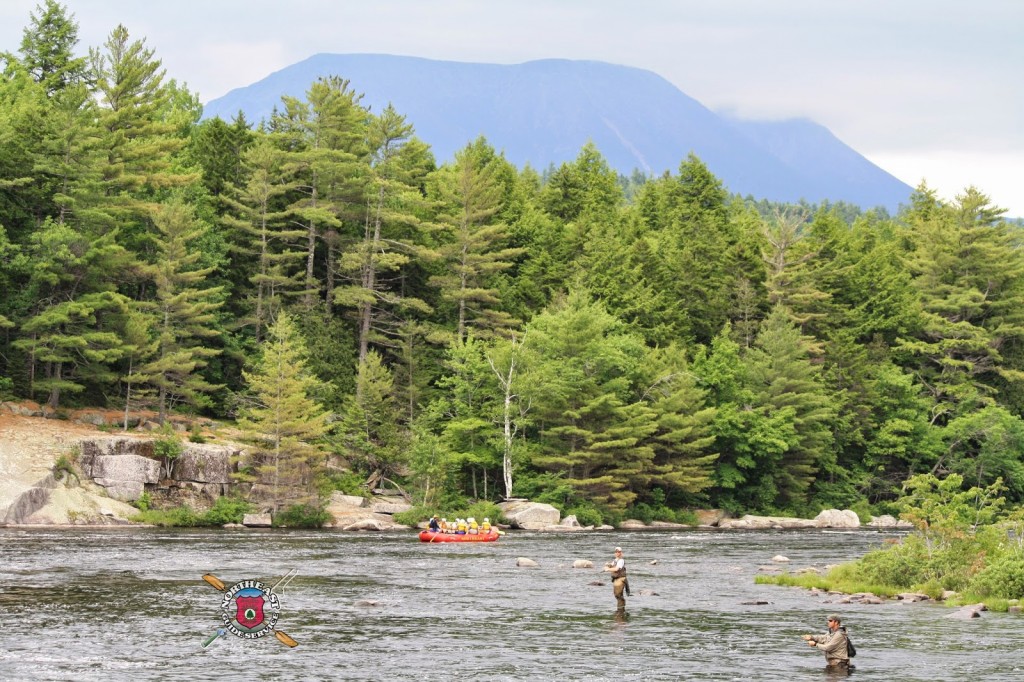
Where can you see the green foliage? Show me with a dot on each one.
(177, 517)
(348, 482)
(369, 433)
(301, 516)
(961, 545)
(901, 566)
(748, 356)
(837, 580)
(478, 510)
(586, 515)
(284, 424)
(144, 502)
(6, 388)
(226, 510)
(1003, 577)
(168, 448)
(943, 511)
(65, 466)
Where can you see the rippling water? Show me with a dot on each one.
(129, 604)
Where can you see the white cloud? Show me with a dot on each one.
(999, 176)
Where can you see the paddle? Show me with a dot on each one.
(219, 585)
(216, 635)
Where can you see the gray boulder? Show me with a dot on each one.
(887, 521)
(205, 463)
(834, 518)
(125, 468)
(365, 524)
(968, 612)
(529, 515)
(751, 522)
(113, 446)
(257, 521)
(125, 476)
(390, 507)
(912, 597)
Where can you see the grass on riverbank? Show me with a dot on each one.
(966, 543)
(838, 579)
(842, 579)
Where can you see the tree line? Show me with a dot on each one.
(474, 330)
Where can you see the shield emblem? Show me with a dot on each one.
(249, 612)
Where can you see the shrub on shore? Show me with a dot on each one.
(964, 542)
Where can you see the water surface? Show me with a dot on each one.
(130, 604)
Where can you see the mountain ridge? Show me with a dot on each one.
(542, 112)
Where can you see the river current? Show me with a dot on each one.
(130, 604)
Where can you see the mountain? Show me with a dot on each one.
(543, 112)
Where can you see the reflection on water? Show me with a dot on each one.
(130, 604)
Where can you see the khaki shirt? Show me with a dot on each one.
(834, 646)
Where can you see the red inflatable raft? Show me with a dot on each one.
(430, 536)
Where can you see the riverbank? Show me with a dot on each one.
(37, 488)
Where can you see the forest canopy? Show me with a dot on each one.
(472, 330)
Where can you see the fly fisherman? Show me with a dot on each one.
(833, 644)
(617, 567)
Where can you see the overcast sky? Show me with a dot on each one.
(926, 89)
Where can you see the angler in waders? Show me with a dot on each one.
(620, 583)
(833, 644)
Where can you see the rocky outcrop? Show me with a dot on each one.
(529, 515)
(125, 476)
(389, 506)
(888, 522)
(206, 463)
(968, 612)
(710, 517)
(81, 505)
(834, 518)
(257, 521)
(828, 518)
(352, 513)
(29, 501)
(752, 522)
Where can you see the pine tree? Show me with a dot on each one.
(139, 132)
(376, 266)
(271, 249)
(325, 138)
(969, 277)
(369, 429)
(683, 443)
(468, 411)
(184, 310)
(788, 392)
(473, 245)
(47, 47)
(285, 424)
(580, 379)
(70, 334)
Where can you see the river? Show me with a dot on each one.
(130, 604)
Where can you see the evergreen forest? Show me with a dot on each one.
(366, 315)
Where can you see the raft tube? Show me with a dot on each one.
(430, 536)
